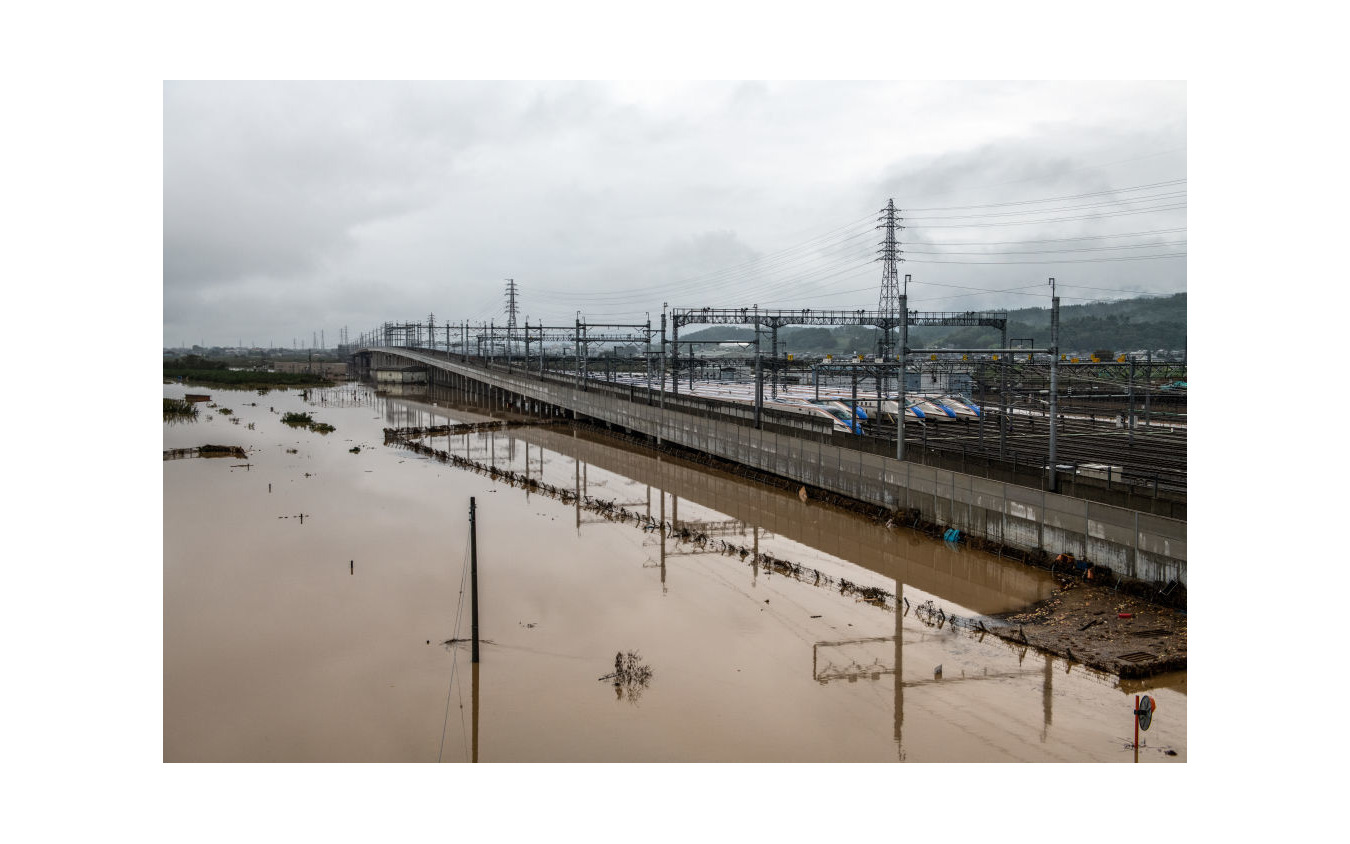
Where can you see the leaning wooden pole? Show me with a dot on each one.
(473, 573)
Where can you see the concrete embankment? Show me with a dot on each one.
(1133, 546)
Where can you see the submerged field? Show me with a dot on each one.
(315, 599)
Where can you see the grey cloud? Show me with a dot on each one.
(261, 181)
(289, 207)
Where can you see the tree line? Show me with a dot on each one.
(1128, 325)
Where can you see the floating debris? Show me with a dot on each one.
(630, 676)
(206, 451)
(304, 420)
(465, 428)
(179, 410)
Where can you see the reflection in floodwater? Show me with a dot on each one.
(976, 581)
(876, 657)
(927, 565)
(691, 532)
(904, 556)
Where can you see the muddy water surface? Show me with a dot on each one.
(321, 638)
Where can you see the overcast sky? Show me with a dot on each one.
(295, 208)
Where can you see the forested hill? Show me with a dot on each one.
(1152, 322)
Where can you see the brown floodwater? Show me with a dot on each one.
(309, 591)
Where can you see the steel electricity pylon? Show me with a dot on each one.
(889, 303)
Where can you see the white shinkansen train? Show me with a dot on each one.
(919, 407)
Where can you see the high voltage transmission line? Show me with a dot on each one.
(1056, 198)
(1055, 251)
(1048, 240)
(1125, 213)
(808, 269)
(1171, 198)
(791, 257)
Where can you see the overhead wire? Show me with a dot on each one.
(1052, 198)
(1169, 197)
(817, 244)
(805, 283)
(802, 280)
(814, 268)
(454, 635)
(750, 285)
(1173, 230)
(1015, 291)
(977, 289)
(719, 278)
(1063, 260)
(1172, 207)
(1053, 251)
(799, 270)
(1112, 290)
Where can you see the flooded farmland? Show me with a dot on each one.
(316, 596)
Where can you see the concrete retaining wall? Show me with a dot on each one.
(1131, 543)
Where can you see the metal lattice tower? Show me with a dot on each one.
(510, 304)
(889, 301)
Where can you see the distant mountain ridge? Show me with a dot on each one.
(1144, 323)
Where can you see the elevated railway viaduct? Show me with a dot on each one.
(1131, 541)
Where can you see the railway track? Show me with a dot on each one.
(1154, 456)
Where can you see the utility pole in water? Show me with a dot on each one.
(473, 599)
(473, 573)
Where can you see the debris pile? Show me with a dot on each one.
(206, 451)
(391, 434)
(630, 676)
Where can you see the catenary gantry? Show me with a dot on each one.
(777, 317)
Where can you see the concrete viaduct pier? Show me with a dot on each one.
(1134, 544)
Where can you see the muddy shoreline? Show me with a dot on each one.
(1101, 628)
